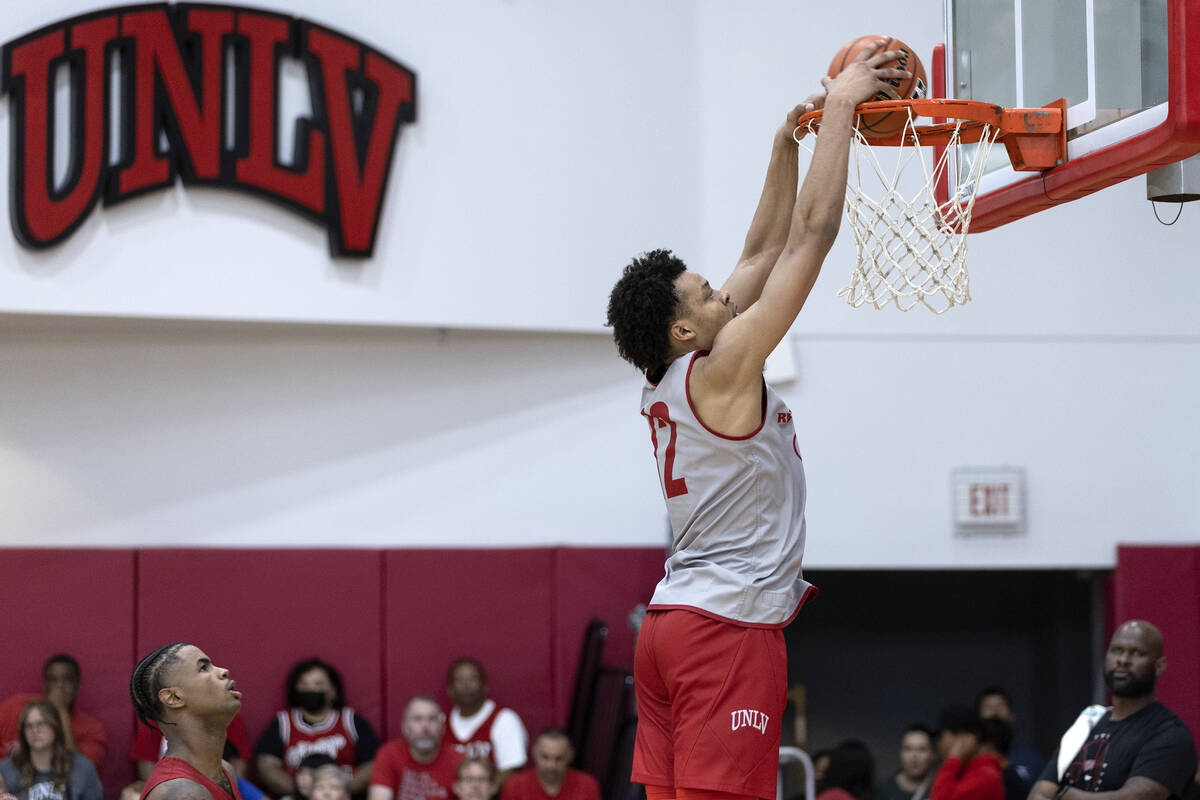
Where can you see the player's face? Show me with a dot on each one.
(552, 755)
(205, 687)
(706, 310)
(916, 755)
(1133, 663)
(424, 724)
(474, 783)
(38, 732)
(467, 688)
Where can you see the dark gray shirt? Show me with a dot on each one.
(84, 783)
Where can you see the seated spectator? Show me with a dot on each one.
(149, 746)
(317, 720)
(995, 703)
(969, 771)
(997, 739)
(917, 757)
(82, 733)
(42, 768)
(551, 775)
(306, 772)
(476, 779)
(417, 766)
(850, 774)
(479, 727)
(330, 783)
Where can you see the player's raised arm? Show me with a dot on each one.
(743, 345)
(773, 217)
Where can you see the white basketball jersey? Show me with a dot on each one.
(736, 507)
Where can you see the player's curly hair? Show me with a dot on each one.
(147, 680)
(641, 307)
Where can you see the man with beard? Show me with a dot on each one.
(1135, 750)
(417, 767)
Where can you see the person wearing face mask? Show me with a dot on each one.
(317, 720)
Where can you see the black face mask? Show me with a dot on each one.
(310, 701)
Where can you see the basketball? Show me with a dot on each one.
(892, 122)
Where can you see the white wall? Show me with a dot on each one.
(1078, 360)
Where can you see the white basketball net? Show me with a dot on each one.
(911, 249)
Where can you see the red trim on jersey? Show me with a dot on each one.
(172, 768)
(807, 597)
(687, 390)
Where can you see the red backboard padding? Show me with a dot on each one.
(78, 602)
(257, 612)
(493, 605)
(604, 583)
(1161, 584)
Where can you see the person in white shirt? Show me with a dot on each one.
(478, 726)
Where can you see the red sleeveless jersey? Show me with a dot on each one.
(479, 744)
(168, 769)
(334, 736)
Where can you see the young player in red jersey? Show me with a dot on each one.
(178, 690)
(711, 664)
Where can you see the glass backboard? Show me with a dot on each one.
(1128, 72)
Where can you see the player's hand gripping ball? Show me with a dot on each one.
(887, 123)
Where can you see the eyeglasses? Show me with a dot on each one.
(36, 725)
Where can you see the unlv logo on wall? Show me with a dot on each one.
(172, 63)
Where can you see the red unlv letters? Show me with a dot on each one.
(173, 65)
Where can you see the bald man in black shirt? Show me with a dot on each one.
(1138, 749)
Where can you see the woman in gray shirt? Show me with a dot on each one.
(42, 768)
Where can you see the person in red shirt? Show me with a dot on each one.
(191, 701)
(82, 732)
(970, 770)
(416, 767)
(552, 776)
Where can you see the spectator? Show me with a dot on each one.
(995, 703)
(416, 767)
(317, 720)
(149, 746)
(969, 771)
(917, 757)
(997, 739)
(82, 733)
(43, 768)
(850, 774)
(476, 779)
(479, 727)
(1136, 749)
(306, 772)
(551, 775)
(330, 783)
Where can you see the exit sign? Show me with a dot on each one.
(988, 500)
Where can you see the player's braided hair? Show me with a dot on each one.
(641, 308)
(147, 680)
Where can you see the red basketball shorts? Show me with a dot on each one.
(710, 696)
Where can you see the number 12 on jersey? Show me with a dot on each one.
(659, 417)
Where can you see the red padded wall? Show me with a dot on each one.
(1162, 585)
(493, 605)
(605, 583)
(78, 602)
(257, 612)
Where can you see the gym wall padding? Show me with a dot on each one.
(1161, 584)
(79, 602)
(390, 621)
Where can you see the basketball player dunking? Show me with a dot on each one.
(711, 667)
(178, 690)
